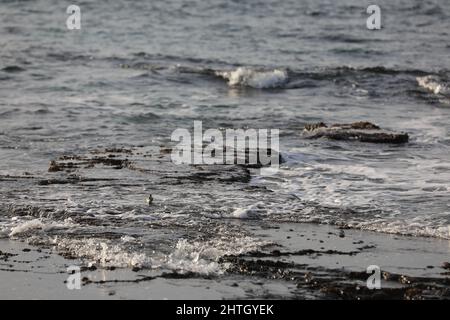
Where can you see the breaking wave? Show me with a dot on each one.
(247, 77)
(187, 256)
(434, 84)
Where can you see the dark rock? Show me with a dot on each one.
(12, 69)
(361, 125)
(276, 253)
(357, 131)
(54, 167)
(243, 158)
(314, 126)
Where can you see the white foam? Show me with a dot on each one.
(434, 84)
(101, 252)
(128, 239)
(19, 227)
(202, 257)
(254, 211)
(255, 79)
(26, 226)
(198, 257)
(408, 196)
(419, 226)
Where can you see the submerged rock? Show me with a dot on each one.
(12, 69)
(358, 131)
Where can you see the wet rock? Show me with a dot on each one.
(276, 253)
(54, 167)
(6, 255)
(246, 160)
(303, 252)
(404, 279)
(314, 126)
(76, 162)
(12, 69)
(386, 276)
(70, 180)
(308, 277)
(413, 294)
(114, 150)
(358, 131)
(135, 160)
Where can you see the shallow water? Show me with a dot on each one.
(138, 70)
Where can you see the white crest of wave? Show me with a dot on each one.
(30, 226)
(254, 211)
(433, 84)
(26, 226)
(255, 79)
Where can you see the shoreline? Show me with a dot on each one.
(309, 262)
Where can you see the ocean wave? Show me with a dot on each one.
(434, 84)
(26, 226)
(260, 77)
(19, 228)
(183, 256)
(333, 73)
(187, 256)
(247, 77)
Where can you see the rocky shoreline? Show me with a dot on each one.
(293, 261)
